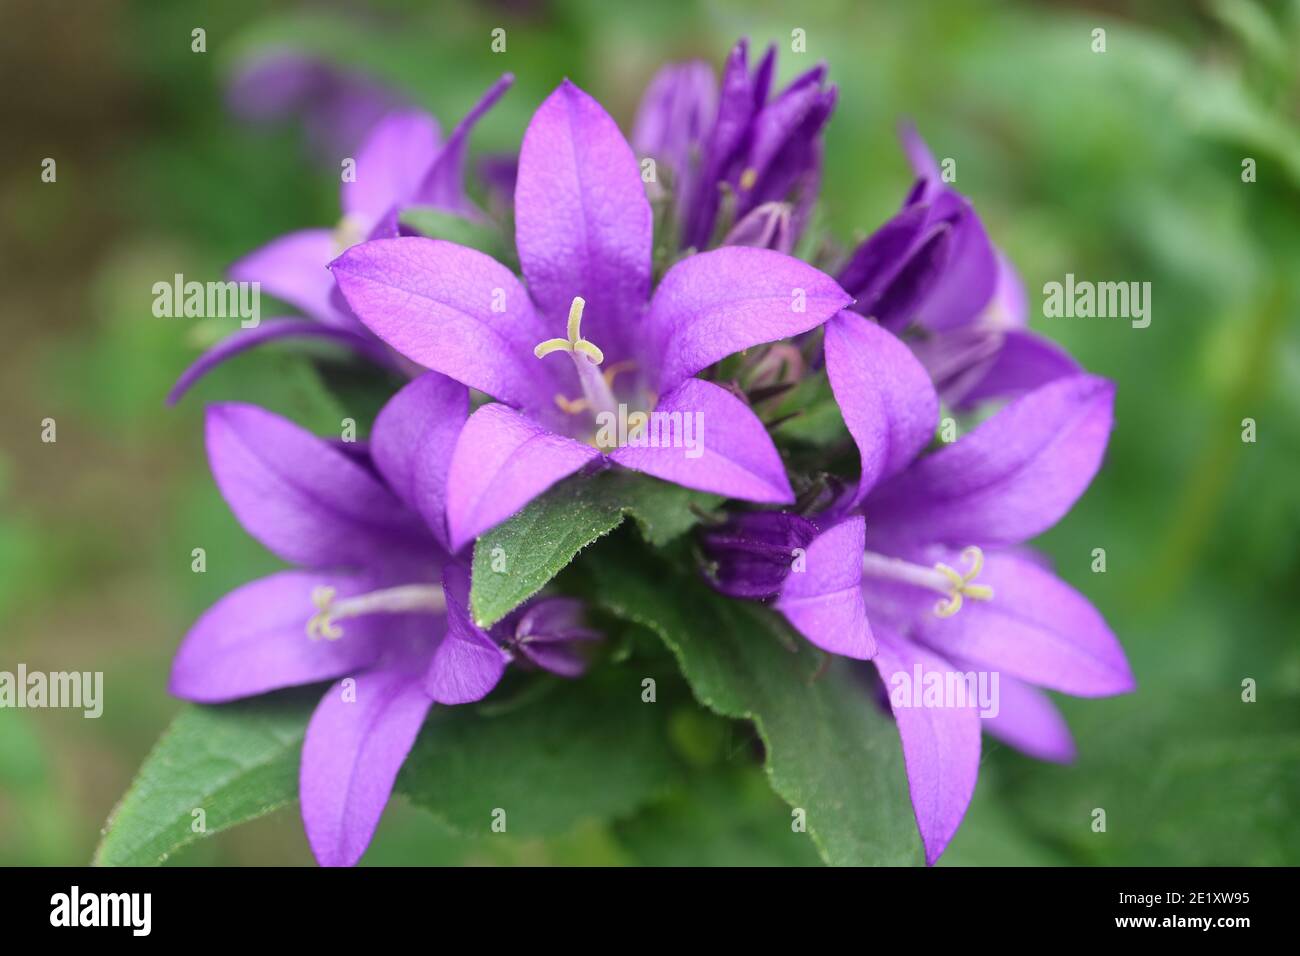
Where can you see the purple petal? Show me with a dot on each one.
(824, 600)
(878, 258)
(921, 160)
(553, 619)
(388, 226)
(718, 303)
(295, 268)
(453, 310)
(965, 287)
(1009, 308)
(958, 358)
(676, 112)
(883, 393)
(678, 104)
(761, 84)
(502, 461)
(941, 741)
(718, 444)
(443, 185)
(550, 633)
(270, 330)
(356, 743)
(973, 271)
(562, 660)
(915, 280)
(780, 152)
(769, 226)
(467, 664)
(582, 220)
(1029, 721)
(409, 442)
(391, 163)
(272, 83)
(739, 99)
(307, 502)
(255, 640)
(777, 122)
(336, 107)
(752, 553)
(498, 173)
(1025, 362)
(1011, 478)
(1037, 628)
(796, 170)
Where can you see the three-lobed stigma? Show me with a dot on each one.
(961, 583)
(954, 585)
(575, 344)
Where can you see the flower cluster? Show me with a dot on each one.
(658, 324)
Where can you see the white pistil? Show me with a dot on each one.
(404, 599)
(952, 584)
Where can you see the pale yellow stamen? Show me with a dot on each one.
(348, 233)
(572, 406)
(748, 178)
(616, 369)
(960, 584)
(321, 623)
(952, 584)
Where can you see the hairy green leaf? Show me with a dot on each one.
(235, 762)
(588, 749)
(514, 560)
(830, 751)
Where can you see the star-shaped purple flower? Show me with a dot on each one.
(931, 274)
(921, 568)
(402, 162)
(376, 602)
(587, 368)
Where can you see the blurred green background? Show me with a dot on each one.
(1117, 166)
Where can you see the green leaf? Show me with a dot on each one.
(439, 224)
(514, 560)
(829, 749)
(236, 762)
(1230, 774)
(585, 749)
(589, 749)
(726, 817)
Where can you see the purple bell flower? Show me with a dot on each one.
(587, 367)
(931, 275)
(921, 567)
(403, 162)
(375, 603)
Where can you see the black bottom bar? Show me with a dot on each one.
(213, 906)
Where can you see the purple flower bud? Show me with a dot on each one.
(751, 555)
(768, 226)
(550, 633)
